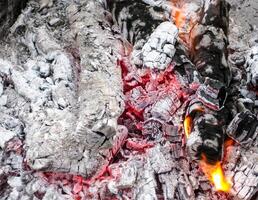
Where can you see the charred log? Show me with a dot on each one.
(206, 139)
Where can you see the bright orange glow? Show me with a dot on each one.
(183, 20)
(188, 125)
(216, 176)
(179, 18)
(228, 142)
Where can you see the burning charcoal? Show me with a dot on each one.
(138, 99)
(243, 128)
(166, 106)
(206, 139)
(205, 36)
(159, 50)
(126, 174)
(84, 128)
(138, 144)
(212, 94)
(152, 128)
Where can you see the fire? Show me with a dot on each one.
(216, 175)
(188, 121)
(219, 180)
(179, 18)
(188, 126)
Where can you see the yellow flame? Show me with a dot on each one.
(188, 121)
(219, 180)
(216, 175)
(188, 125)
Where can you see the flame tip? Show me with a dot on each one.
(216, 175)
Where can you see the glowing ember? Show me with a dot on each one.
(216, 175)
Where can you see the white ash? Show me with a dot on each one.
(252, 66)
(159, 50)
(50, 103)
(5, 135)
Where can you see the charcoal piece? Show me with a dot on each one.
(177, 151)
(152, 128)
(205, 36)
(216, 13)
(193, 107)
(165, 106)
(212, 94)
(209, 53)
(245, 179)
(3, 178)
(172, 133)
(169, 184)
(184, 189)
(206, 139)
(5, 135)
(184, 69)
(45, 4)
(160, 154)
(138, 99)
(243, 128)
(158, 51)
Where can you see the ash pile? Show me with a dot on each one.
(127, 99)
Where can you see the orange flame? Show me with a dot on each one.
(179, 18)
(216, 176)
(188, 121)
(188, 125)
(183, 19)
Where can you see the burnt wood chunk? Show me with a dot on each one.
(83, 135)
(243, 128)
(209, 42)
(212, 94)
(206, 139)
